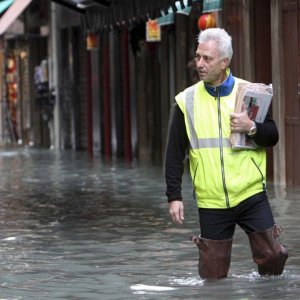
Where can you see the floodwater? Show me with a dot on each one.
(74, 228)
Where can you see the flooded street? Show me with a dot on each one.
(74, 228)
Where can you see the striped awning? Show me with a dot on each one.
(12, 13)
(5, 4)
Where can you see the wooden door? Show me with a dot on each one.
(261, 40)
(291, 35)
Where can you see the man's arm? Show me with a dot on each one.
(175, 155)
(267, 133)
(174, 166)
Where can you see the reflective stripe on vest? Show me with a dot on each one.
(195, 142)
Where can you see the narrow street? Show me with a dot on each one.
(75, 228)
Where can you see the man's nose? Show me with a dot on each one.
(199, 63)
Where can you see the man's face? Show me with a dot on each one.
(211, 68)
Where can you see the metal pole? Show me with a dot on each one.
(55, 75)
(106, 98)
(126, 97)
(89, 105)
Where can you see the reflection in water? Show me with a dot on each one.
(72, 228)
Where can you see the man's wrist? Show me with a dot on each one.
(174, 199)
(252, 130)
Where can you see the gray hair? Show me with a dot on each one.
(222, 38)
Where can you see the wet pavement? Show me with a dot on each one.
(75, 228)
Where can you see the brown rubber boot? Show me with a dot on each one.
(267, 251)
(214, 257)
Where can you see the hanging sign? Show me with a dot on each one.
(211, 5)
(153, 32)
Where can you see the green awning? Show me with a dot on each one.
(5, 4)
(100, 18)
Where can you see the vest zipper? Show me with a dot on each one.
(221, 148)
(264, 185)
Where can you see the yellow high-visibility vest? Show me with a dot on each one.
(222, 177)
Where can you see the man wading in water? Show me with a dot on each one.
(229, 184)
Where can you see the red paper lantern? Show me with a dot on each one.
(206, 21)
(11, 65)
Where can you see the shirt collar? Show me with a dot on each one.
(223, 89)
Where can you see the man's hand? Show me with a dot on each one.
(176, 211)
(240, 122)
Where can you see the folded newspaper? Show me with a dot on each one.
(257, 97)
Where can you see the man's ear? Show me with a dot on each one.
(224, 63)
